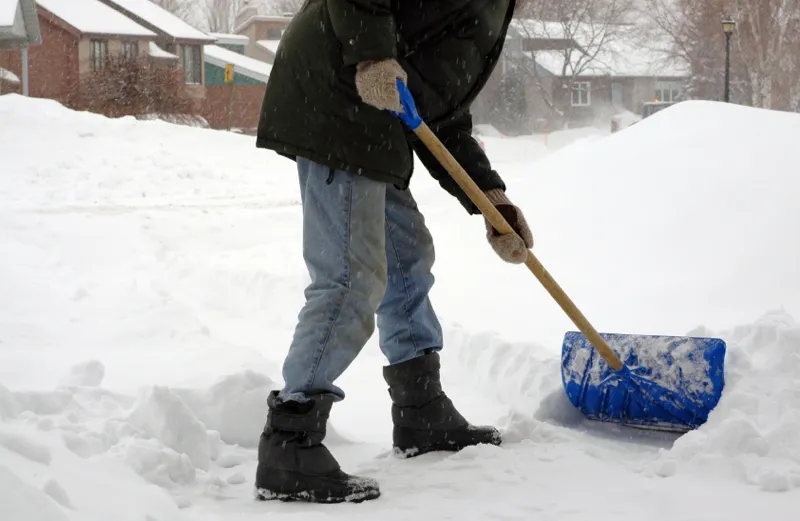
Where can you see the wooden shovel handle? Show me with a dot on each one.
(477, 196)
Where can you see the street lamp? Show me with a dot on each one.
(728, 27)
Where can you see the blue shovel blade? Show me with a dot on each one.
(669, 383)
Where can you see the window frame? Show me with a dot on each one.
(193, 74)
(130, 49)
(581, 87)
(674, 89)
(97, 62)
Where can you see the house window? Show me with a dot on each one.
(668, 92)
(98, 52)
(130, 50)
(274, 33)
(581, 94)
(190, 62)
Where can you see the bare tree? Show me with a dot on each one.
(183, 9)
(221, 15)
(767, 37)
(765, 67)
(565, 39)
(279, 7)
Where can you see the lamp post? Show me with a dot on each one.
(728, 26)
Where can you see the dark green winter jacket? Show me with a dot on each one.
(448, 48)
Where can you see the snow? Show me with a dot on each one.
(8, 12)
(86, 374)
(148, 293)
(162, 19)
(487, 130)
(220, 57)
(233, 39)
(94, 17)
(626, 118)
(157, 52)
(270, 45)
(8, 76)
(263, 18)
(613, 49)
(674, 367)
(615, 58)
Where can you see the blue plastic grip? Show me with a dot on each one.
(409, 115)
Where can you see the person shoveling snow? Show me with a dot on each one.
(366, 245)
(368, 250)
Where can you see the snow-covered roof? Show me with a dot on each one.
(8, 12)
(220, 57)
(157, 52)
(540, 29)
(270, 45)
(160, 19)
(19, 23)
(8, 76)
(230, 39)
(94, 17)
(611, 60)
(285, 19)
(601, 50)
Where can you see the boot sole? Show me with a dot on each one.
(263, 494)
(411, 450)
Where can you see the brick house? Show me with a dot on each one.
(175, 39)
(19, 29)
(77, 36)
(244, 96)
(263, 32)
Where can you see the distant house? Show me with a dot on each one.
(77, 36)
(247, 71)
(175, 39)
(580, 74)
(232, 42)
(264, 32)
(19, 29)
(247, 90)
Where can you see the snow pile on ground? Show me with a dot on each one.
(680, 220)
(151, 275)
(187, 442)
(753, 432)
(133, 164)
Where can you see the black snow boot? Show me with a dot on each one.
(294, 465)
(424, 418)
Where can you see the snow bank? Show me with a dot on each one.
(151, 275)
(142, 163)
(753, 432)
(679, 220)
(155, 436)
(22, 501)
(88, 374)
(173, 438)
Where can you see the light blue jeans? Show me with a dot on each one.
(368, 252)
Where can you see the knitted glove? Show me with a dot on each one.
(376, 82)
(511, 248)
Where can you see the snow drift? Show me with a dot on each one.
(151, 274)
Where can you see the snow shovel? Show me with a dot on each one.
(668, 383)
